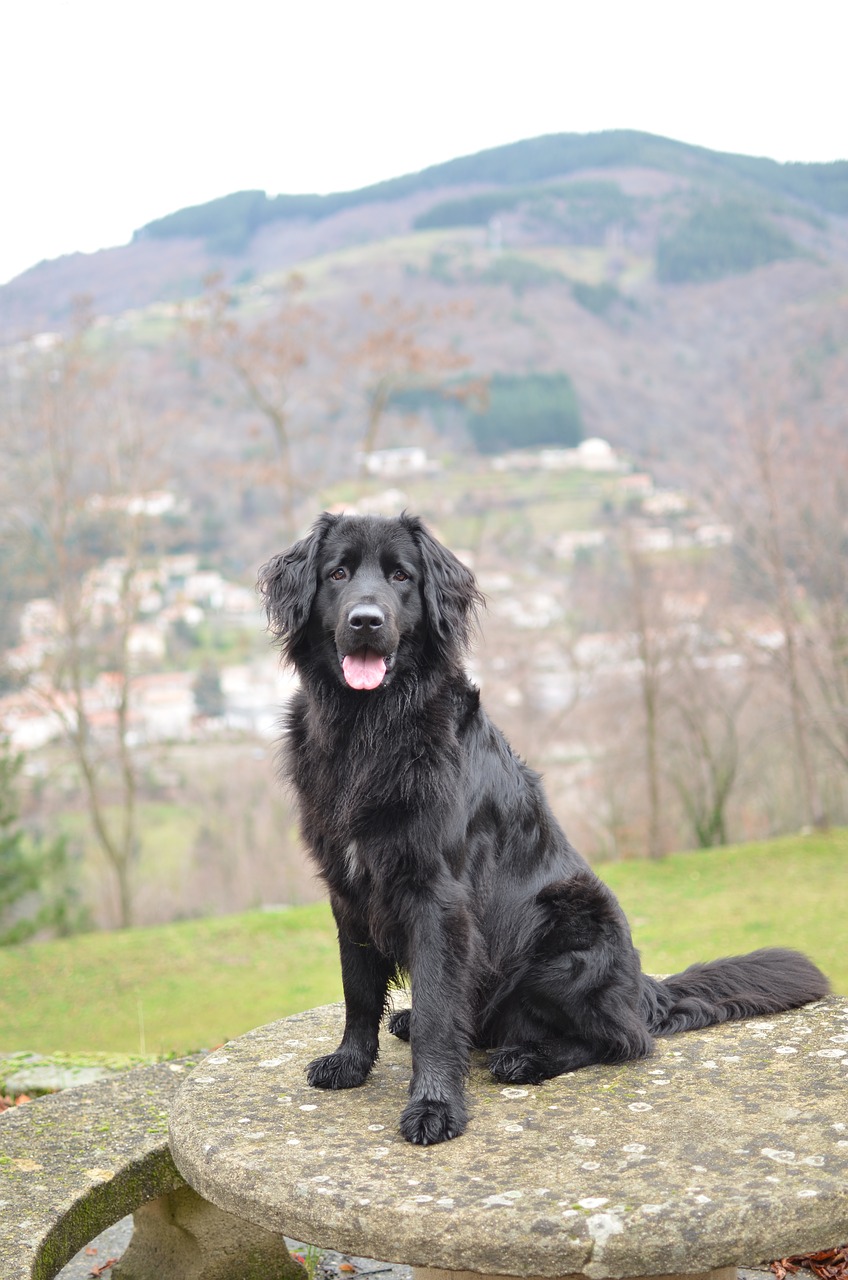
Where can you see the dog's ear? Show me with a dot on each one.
(288, 583)
(451, 594)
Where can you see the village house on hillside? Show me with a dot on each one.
(393, 464)
(156, 598)
(592, 454)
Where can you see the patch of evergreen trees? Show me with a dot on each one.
(35, 885)
(720, 240)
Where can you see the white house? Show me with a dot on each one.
(39, 619)
(163, 706)
(146, 640)
(390, 463)
(570, 541)
(28, 720)
(593, 454)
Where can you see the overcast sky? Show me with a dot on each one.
(116, 113)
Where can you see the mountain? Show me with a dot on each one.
(230, 222)
(665, 280)
(636, 179)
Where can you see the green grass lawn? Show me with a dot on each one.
(191, 985)
(172, 988)
(697, 906)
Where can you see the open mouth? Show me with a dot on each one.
(366, 669)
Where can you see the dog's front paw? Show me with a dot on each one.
(430, 1120)
(399, 1023)
(518, 1065)
(338, 1070)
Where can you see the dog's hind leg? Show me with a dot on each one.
(579, 1000)
(531, 1062)
(575, 1026)
(365, 978)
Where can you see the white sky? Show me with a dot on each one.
(116, 113)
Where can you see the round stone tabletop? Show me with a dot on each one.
(729, 1145)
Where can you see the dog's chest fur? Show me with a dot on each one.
(364, 772)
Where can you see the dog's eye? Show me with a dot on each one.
(400, 576)
(339, 575)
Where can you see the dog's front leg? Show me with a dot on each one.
(365, 979)
(441, 970)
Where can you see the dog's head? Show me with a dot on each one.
(367, 598)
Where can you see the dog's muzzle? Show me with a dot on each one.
(367, 645)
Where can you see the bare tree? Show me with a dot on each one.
(764, 503)
(76, 455)
(645, 613)
(623, 594)
(397, 355)
(264, 347)
(703, 747)
(820, 471)
(277, 353)
(664, 701)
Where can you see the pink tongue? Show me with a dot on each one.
(364, 670)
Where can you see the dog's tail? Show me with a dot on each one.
(768, 981)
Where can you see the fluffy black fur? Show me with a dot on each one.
(442, 857)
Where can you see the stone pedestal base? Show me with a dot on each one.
(181, 1235)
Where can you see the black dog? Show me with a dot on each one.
(442, 857)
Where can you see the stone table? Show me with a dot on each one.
(730, 1144)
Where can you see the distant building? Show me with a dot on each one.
(593, 454)
(39, 619)
(567, 544)
(596, 454)
(665, 502)
(158, 503)
(254, 695)
(387, 503)
(205, 587)
(393, 463)
(660, 538)
(529, 611)
(29, 721)
(145, 640)
(714, 535)
(163, 706)
(637, 484)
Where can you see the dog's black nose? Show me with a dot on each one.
(366, 617)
